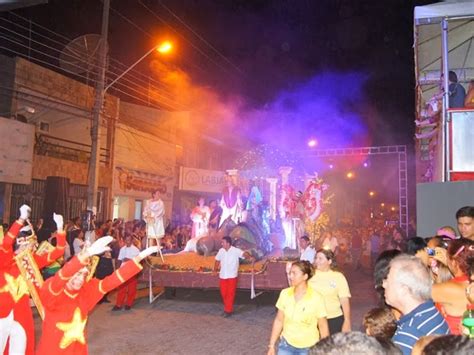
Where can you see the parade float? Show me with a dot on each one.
(267, 207)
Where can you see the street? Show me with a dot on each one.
(191, 323)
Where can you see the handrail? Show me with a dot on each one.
(67, 141)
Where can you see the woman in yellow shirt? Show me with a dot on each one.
(333, 287)
(301, 318)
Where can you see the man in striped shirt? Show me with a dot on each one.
(408, 289)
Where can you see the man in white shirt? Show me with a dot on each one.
(128, 290)
(307, 251)
(227, 262)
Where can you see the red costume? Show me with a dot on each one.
(66, 311)
(14, 294)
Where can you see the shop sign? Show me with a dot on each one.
(201, 180)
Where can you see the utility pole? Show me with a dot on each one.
(94, 162)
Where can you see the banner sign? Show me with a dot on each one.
(201, 180)
(130, 182)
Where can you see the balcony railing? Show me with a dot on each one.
(60, 148)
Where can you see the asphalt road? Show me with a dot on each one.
(191, 323)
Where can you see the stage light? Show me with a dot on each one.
(350, 175)
(382, 204)
(371, 193)
(393, 209)
(312, 143)
(331, 166)
(366, 164)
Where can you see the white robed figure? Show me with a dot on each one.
(200, 217)
(153, 214)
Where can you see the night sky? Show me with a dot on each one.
(347, 62)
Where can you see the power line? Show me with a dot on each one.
(90, 79)
(131, 22)
(186, 39)
(200, 37)
(147, 81)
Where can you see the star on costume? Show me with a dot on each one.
(20, 278)
(73, 330)
(71, 294)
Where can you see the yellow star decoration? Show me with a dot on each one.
(17, 287)
(73, 331)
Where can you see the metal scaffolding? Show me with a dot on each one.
(399, 150)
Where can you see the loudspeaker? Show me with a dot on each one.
(55, 199)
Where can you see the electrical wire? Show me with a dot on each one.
(172, 105)
(162, 94)
(186, 39)
(200, 37)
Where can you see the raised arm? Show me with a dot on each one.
(56, 284)
(6, 244)
(46, 259)
(121, 275)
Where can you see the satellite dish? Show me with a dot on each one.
(81, 55)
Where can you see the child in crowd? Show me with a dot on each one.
(380, 323)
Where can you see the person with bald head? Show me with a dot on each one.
(408, 289)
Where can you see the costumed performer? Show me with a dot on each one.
(216, 212)
(286, 211)
(231, 203)
(253, 204)
(69, 296)
(153, 214)
(16, 318)
(200, 217)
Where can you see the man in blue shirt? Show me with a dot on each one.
(408, 289)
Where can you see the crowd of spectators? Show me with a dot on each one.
(424, 286)
(423, 283)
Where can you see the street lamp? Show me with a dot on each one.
(165, 47)
(101, 89)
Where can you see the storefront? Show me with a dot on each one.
(143, 164)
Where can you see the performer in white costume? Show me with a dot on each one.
(286, 209)
(231, 203)
(153, 214)
(200, 217)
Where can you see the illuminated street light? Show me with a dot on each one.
(164, 47)
(382, 205)
(371, 193)
(312, 143)
(393, 209)
(101, 90)
(350, 175)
